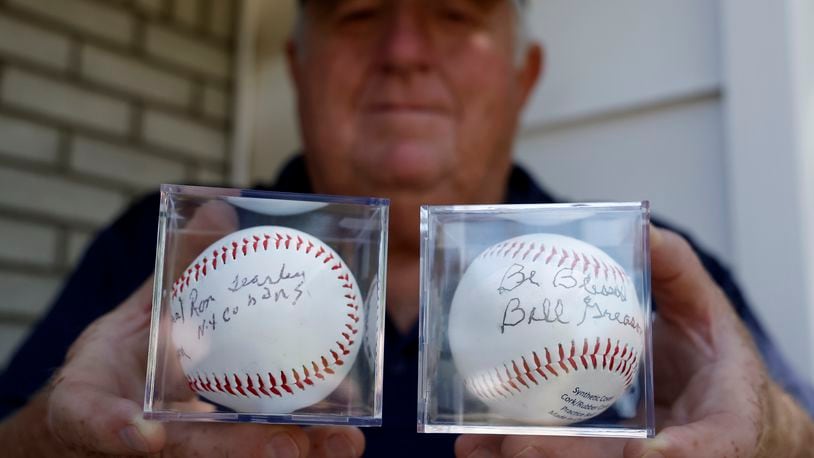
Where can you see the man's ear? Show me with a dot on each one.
(530, 71)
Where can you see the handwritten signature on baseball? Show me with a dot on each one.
(243, 293)
(554, 311)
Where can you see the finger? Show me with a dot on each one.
(556, 447)
(140, 301)
(716, 435)
(335, 441)
(243, 440)
(478, 446)
(88, 419)
(347, 391)
(128, 318)
(685, 293)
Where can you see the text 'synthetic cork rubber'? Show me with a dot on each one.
(266, 320)
(546, 329)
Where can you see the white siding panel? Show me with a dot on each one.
(672, 157)
(605, 56)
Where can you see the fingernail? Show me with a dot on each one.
(146, 428)
(338, 446)
(530, 452)
(653, 454)
(655, 235)
(481, 452)
(133, 439)
(282, 445)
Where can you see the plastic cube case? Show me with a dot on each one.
(267, 307)
(535, 319)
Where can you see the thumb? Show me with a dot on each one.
(685, 293)
(134, 312)
(87, 419)
(87, 406)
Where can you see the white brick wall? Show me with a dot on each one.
(134, 76)
(100, 100)
(91, 17)
(54, 196)
(28, 295)
(27, 243)
(187, 12)
(186, 136)
(151, 7)
(216, 103)
(125, 164)
(182, 50)
(52, 97)
(33, 43)
(222, 18)
(28, 140)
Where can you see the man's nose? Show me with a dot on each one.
(406, 42)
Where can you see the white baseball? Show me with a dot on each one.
(546, 329)
(266, 320)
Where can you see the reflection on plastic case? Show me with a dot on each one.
(535, 319)
(267, 307)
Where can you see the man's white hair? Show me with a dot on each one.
(522, 38)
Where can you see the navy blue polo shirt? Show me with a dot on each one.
(122, 257)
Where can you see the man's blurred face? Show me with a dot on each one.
(416, 100)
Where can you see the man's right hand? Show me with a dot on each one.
(93, 406)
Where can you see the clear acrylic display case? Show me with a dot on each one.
(267, 307)
(535, 319)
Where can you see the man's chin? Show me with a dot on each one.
(408, 168)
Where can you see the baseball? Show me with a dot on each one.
(266, 320)
(546, 329)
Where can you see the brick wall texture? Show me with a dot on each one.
(100, 101)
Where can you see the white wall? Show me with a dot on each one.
(670, 155)
(609, 56)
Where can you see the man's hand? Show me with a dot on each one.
(713, 395)
(93, 404)
(93, 401)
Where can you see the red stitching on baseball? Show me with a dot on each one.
(529, 250)
(560, 257)
(553, 253)
(563, 257)
(225, 386)
(519, 248)
(513, 377)
(539, 253)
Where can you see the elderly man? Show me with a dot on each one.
(418, 101)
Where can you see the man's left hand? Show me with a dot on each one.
(713, 395)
